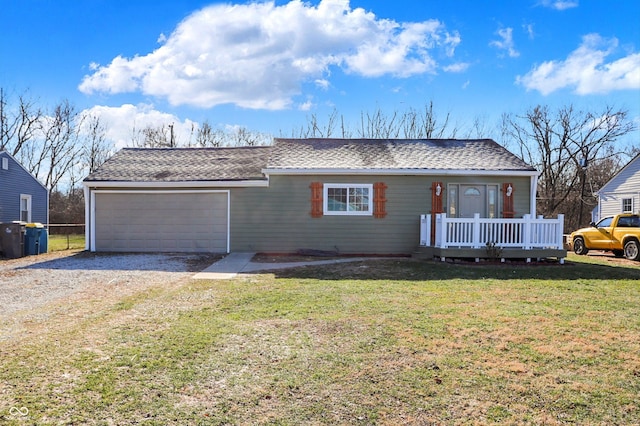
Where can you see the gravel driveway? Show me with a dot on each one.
(30, 283)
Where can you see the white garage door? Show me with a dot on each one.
(161, 222)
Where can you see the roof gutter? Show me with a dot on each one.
(181, 184)
(400, 172)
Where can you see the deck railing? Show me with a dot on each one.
(525, 233)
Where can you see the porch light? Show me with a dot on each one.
(509, 191)
(438, 190)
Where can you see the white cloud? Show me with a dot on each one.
(258, 55)
(457, 67)
(306, 106)
(528, 28)
(559, 4)
(506, 42)
(121, 123)
(585, 70)
(322, 83)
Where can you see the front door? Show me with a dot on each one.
(473, 199)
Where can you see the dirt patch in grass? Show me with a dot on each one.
(606, 258)
(197, 263)
(294, 258)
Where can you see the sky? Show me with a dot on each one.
(270, 66)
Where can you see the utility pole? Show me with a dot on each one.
(583, 165)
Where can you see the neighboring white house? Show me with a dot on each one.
(622, 193)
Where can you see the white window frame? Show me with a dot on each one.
(26, 197)
(5, 163)
(630, 199)
(347, 186)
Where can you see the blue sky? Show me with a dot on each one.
(268, 66)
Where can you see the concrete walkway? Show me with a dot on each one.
(227, 267)
(238, 263)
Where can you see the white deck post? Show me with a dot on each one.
(441, 230)
(425, 230)
(476, 231)
(526, 238)
(559, 233)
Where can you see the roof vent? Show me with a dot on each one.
(5, 163)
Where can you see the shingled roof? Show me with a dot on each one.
(183, 165)
(388, 154)
(306, 155)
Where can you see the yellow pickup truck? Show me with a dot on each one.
(619, 234)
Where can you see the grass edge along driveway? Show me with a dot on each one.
(376, 342)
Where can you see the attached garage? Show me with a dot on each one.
(168, 199)
(162, 221)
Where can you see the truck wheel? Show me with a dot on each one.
(618, 253)
(579, 247)
(632, 250)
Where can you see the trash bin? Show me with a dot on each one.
(44, 240)
(11, 235)
(34, 238)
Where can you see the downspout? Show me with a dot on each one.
(87, 219)
(228, 221)
(534, 191)
(48, 212)
(93, 221)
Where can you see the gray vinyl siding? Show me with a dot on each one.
(521, 194)
(611, 203)
(277, 219)
(626, 184)
(16, 181)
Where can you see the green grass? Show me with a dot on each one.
(66, 242)
(377, 342)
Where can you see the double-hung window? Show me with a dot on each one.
(25, 208)
(627, 205)
(348, 199)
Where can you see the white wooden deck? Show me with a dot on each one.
(494, 236)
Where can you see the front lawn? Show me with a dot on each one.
(376, 342)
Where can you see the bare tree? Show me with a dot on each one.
(427, 125)
(313, 128)
(207, 136)
(244, 137)
(378, 125)
(18, 126)
(61, 150)
(479, 129)
(561, 145)
(162, 136)
(95, 149)
(411, 124)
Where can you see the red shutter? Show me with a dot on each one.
(436, 197)
(507, 201)
(316, 199)
(379, 200)
(437, 192)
